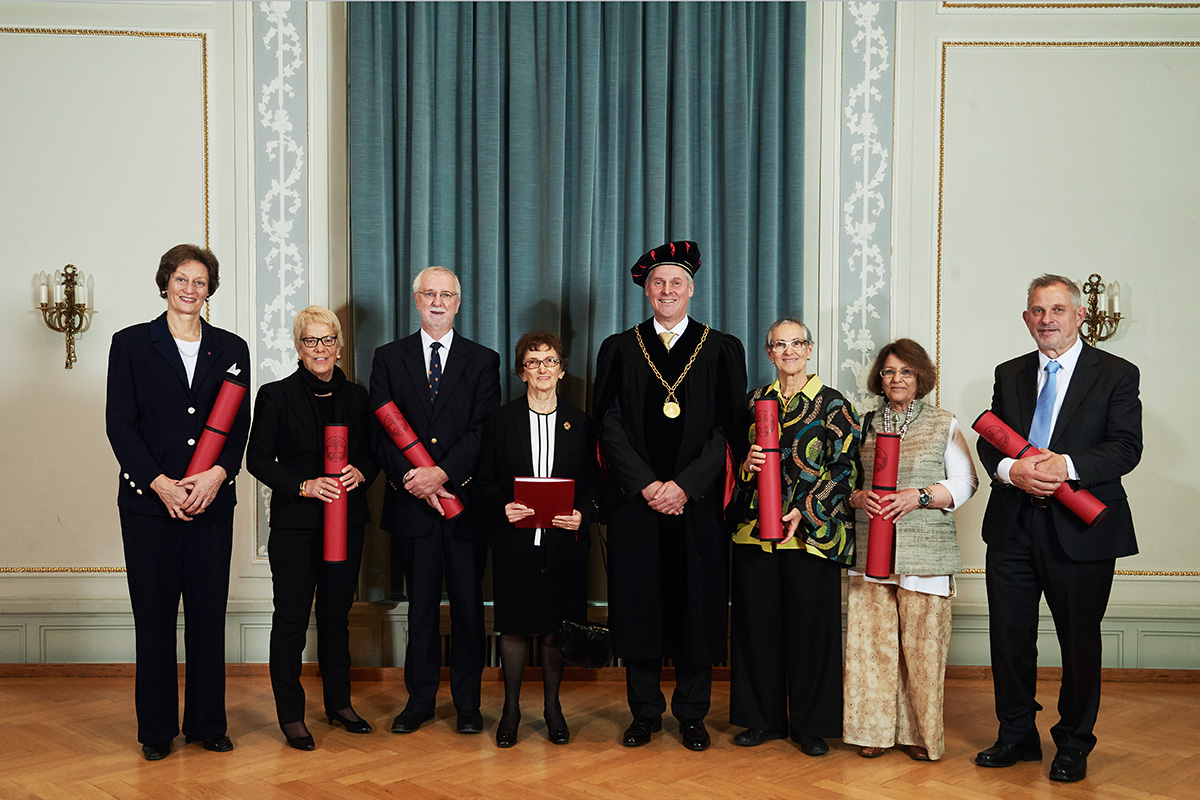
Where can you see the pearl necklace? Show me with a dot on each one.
(887, 418)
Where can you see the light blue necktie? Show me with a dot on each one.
(1039, 433)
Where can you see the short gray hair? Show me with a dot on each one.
(1047, 280)
(435, 271)
(786, 321)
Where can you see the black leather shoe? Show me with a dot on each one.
(753, 737)
(470, 722)
(694, 734)
(1002, 754)
(811, 745)
(301, 742)
(1068, 765)
(408, 720)
(156, 752)
(506, 730)
(352, 725)
(638, 732)
(214, 744)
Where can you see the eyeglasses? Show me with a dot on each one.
(782, 346)
(905, 374)
(311, 341)
(446, 296)
(549, 361)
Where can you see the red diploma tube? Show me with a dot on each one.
(337, 457)
(995, 432)
(881, 536)
(406, 440)
(770, 483)
(220, 420)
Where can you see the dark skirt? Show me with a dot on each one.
(533, 600)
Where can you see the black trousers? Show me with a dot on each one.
(643, 688)
(426, 560)
(786, 662)
(1028, 565)
(166, 560)
(298, 569)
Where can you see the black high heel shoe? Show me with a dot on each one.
(302, 742)
(506, 731)
(556, 725)
(351, 725)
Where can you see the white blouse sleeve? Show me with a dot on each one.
(960, 469)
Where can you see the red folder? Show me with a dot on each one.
(548, 497)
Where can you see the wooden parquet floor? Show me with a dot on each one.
(76, 738)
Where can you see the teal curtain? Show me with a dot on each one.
(537, 149)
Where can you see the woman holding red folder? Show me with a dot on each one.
(539, 576)
(164, 377)
(786, 676)
(286, 452)
(898, 627)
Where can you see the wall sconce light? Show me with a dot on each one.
(64, 315)
(1103, 310)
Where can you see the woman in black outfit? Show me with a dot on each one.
(539, 575)
(286, 452)
(177, 530)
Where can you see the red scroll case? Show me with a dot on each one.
(220, 420)
(770, 483)
(337, 458)
(406, 440)
(881, 536)
(995, 432)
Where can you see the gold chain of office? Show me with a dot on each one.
(671, 407)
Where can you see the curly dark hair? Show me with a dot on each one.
(535, 341)
(910, 353)
(181, 254)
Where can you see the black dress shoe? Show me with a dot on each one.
(156, 752)
(352, 725)
(301, 742)
(214, 744)
(694, 734)
(811, 745)
(506, 730)
(1002, 754)
(470, 722)
(638, 732)
(753, 737)
(1069, 764)
(408, 720)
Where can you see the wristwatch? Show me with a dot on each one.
(924, 498)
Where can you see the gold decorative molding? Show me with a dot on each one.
(1151, 573)
(203, 39)
(942, 151)
(1068, 6)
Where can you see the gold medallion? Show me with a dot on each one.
(671, 409)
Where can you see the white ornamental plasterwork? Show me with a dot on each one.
(282, 203)
(865, 275)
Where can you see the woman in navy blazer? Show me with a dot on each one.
(286, 452)
(539, 575)
(177, 530)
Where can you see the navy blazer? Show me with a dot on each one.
(287, 448)
(154, 419)
(507, 453)
(1099, 426)
(450, 428)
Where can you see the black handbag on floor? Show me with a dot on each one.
(585, 645)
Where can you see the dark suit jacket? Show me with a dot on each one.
(507, 453)
(287, 447)
(153, 417)
(450, 429)
(1099, 427)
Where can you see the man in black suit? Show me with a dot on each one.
(1081, 407)
(669, 393)
(445, 386)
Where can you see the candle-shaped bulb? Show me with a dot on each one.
(43, 291)
(1114, 298)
